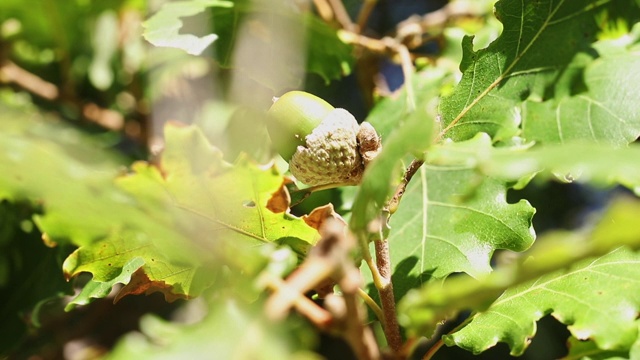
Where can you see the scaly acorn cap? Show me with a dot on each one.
(330, 153)
(292, 117)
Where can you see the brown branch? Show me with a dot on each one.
(328, 262)
(342, 15)
(10, 73)
(365, 12)
(402, 187)
(324, 10)
(387, 298)
(320, 317)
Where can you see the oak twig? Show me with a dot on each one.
(365, 12)
(329, 262)
(387, 298)
(402, 187)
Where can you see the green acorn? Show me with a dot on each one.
(323, 145)
(292, 117)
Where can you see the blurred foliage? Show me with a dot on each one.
(132, 167)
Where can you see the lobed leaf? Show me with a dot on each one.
(215, 213)
(586, 295)
(163, 28)
(588, 350)
(70, 174)
(598, 299)
(96, 289)
(606, 113)
(184, 219)
(581, 162)
(452, 220)
(523, 77)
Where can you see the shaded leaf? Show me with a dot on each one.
(231, 330)
(97, 289)
(29, 274)
(283, 38)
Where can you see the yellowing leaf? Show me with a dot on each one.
(201, 212)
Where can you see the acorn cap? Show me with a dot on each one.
(330, 155)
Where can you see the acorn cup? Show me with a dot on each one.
(323, 145)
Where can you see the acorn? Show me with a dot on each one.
(293, 116)
(323, 145)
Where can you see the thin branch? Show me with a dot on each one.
(365, 12)
(407, 71)
(342, 15)
(324, 10)
(317, 315)
(387, 298)
(360, 336)
(13, 74)
(374, 45)
(402, 187)
(432, 351)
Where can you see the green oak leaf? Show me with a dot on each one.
(599, 165)
(185, 218)
(539, 56)
(574, 276)
(29, 275)
(606, 113)
(68, 173)
(452, 220)
(589, 350)
(97, 289)
(217, 212)
(598, 298)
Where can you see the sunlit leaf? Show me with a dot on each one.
(217, 213)
(279, 37)
(532, 61)
(588, 350)
(452, 220)
(549, 279)
(184, 219)
(163, 28)
(96, 289)
(599, 165)
(598, 299)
